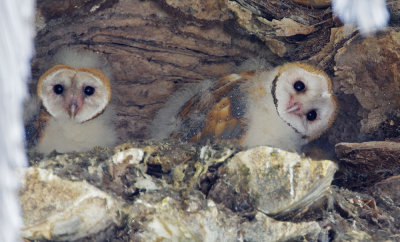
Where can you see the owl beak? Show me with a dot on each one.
(73, 109)
(293, 106)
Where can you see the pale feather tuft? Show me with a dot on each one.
(31, 108)
(368, 15)
(166, 120)
(258, 63)
(78, 137)
(82, 58)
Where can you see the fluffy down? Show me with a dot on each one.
(75, 95)
(166, 120)
(283, 107)
(81, 59)
(66, 135)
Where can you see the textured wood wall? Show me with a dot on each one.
(157, 47)
(152, 52)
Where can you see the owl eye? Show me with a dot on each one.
(299, 86)
(58, 89)
(89, 90)
(312, 115)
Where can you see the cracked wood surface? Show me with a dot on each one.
(156, 47)
(152, 53)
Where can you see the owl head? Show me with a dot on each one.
(79, 94)
(303, 99)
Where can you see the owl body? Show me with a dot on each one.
(67, 135)
(74, 96)
(254, 108)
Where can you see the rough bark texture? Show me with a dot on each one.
(156, 47)
(364, 164)
(152, 49)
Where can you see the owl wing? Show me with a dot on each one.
(34, 128)
(217, 113)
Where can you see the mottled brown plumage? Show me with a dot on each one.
(285, 107)
(221, 122)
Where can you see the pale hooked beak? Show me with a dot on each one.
(73, 109)
(293, 106)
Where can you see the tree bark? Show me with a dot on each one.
(157, 47)
(151, 51)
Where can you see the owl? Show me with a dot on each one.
(284, 107)
(74, 96)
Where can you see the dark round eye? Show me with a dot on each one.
(58, 89)
(299, 86)
(88, 90)
(312, 115)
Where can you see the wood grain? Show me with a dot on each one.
(151, 51)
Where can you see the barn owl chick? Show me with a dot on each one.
(75, 95)
(283, 107)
